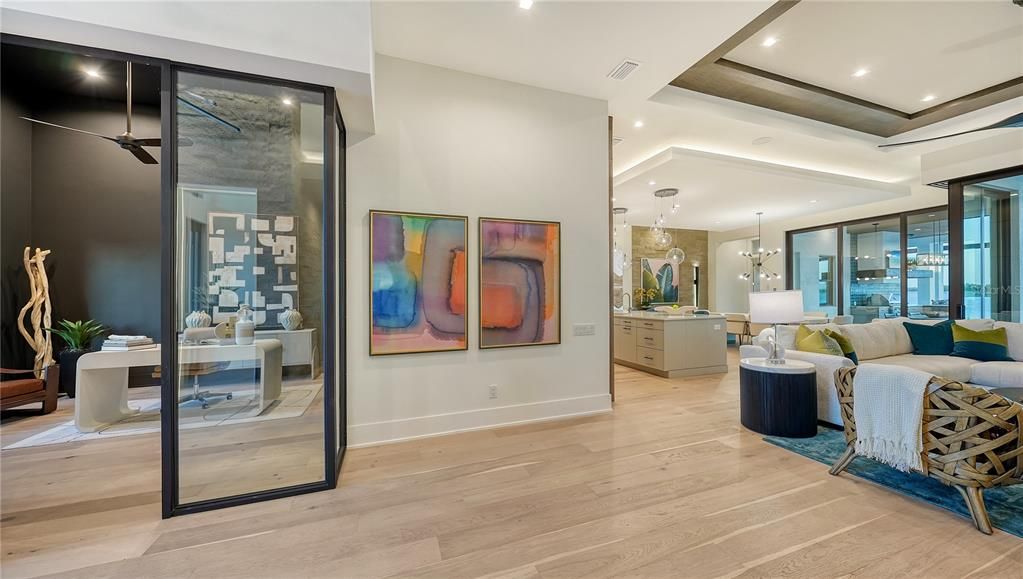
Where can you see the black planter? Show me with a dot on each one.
(68, 360)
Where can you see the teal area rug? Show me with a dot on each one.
(1004, 505)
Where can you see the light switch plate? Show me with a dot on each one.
(584, 329)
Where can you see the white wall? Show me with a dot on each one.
(450, 142)
(727, 292)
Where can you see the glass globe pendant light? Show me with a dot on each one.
(663, 239)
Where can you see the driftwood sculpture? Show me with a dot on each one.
(39, 304)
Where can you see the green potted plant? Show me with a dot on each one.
(77, 337)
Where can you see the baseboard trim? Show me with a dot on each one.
(392, 431)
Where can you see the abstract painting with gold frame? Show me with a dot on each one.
(418, 283)
(519, 282)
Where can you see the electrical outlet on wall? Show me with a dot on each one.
(492, 391)
(584, 329)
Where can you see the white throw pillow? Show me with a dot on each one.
(878, 339)
(1014, 331)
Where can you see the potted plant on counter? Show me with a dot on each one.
(78, 337)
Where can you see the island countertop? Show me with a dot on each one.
(666, 317)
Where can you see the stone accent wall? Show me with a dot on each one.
(691, 241)
(265, 156)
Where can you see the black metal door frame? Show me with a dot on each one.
(334, 370)
(956, 235)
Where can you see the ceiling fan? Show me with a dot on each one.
(126, 140)
(1015, 121)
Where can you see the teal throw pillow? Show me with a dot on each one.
(931, 340)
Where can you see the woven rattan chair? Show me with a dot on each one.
(972, 439)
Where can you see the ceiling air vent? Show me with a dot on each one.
(616, 140)
(623, 70)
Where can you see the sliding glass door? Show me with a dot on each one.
(881, 267)
(251, 402)
(814, 269)
(872, 272)
(992, 249)
(927, 264)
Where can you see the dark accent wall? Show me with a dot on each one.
(98, 209)
(93, 204)
(15, 229)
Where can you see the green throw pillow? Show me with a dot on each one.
(820, 343)
(935, 340)
(844, 343)
(983, 345)
(802, 333)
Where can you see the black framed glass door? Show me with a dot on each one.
(253, 312)
(987, 246)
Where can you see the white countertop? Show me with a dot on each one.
(789, 367)
(645, 315)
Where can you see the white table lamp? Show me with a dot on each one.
(776, 308)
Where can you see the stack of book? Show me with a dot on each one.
(115, 343)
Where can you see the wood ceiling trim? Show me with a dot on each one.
(717, 76)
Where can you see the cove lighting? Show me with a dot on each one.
(769, 41)
(861, 72)
(525, 4)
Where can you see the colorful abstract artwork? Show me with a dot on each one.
(520, 283)
(418, 283)
(661, 276)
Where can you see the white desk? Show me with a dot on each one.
(299, 347)
(103, 377)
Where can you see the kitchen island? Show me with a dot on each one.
(671, 345)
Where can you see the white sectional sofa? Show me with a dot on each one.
(887, 342)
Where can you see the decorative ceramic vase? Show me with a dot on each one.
(290, 319)
(244, 328)
(198, 319)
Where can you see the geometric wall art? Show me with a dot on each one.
(253, 259)
(519, 283)
(418, 283)
(661, 276)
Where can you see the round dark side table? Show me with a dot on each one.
(778, 399)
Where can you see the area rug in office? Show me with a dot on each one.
(294, 401)
(1004, 505)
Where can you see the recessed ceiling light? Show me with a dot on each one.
(525, 4)
(92, 72)
(813, 201)
(769, 41)
(861, 72)
(638, 124)
(761, 140)
(651, 182)
(928, 98)
(287, 101)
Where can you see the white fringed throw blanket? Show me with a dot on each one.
(888, 403)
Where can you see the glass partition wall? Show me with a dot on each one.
(991, 237)
(254, 407)
(883, 267)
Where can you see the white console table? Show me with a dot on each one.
(299, 347)
(103, 377)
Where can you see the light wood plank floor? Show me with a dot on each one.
(666, 486)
